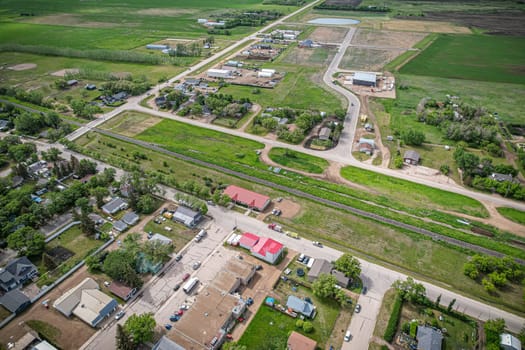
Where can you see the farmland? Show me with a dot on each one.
(472, 57)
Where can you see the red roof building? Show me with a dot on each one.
(122, 291)
(267, 249)
(248, 240)
(248, 198)
(297, 341)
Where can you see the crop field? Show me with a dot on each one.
(365, 238)
(472, 57)
(297, 160)
(113, 24)
(360, 58)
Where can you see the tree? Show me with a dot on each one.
(120, 265)
(124, 339)
(233, 346)
(308, 327)
(413, 137)
(438, 300)
(52, 154)
(324, 286)
(451, 305)
(27, 241)
(398, 163)
(157, 251)
(140, 327)
(99, 193)
(493, 328)
(444, 169)
(348, 265)
(488, 285)
(146, 204)
(410, 290)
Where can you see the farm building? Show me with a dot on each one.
(364, 79)
(87, 302)
(114, 206)
(157, 47)
(248, 240)
(300, 306)
(246, 197)
(324, 134)
(428, 338)
(219, 73)
(187, 216)
(411, 157)
(267, 249)
(265, 73)
(122, 291)
(17, 272)
(297, 341)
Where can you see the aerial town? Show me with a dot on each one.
(262, 174)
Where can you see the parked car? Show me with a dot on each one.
(317, 244)
(357, 308)
(348, 336)
(185, 277)
(180, 312)
(168, 326)
(176, 288)
(258, 267)
(120, 314)
(174, 318)
(178, 257)
(364, 290)
(196, 265)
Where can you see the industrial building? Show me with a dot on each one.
(364, 79)
(219, 73)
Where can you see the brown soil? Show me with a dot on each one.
(386, 38)
(23, 66)
(63, 72)
(166, 12)
(329, 34)
(423, 26)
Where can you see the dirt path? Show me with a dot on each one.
(255, 110)
(385, 152)
(380, 341)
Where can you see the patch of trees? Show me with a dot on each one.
(175, 99)
(492, 272)
(81, 168)
(217, 31)
(253, 18)
(35, 97)
(132, 86)
(194, 49)
(92, 54)
(393, 321)
(220, 105)
(493, 329)
(348, 265)
(412, 137)
(304, 122)
(141, 189)
(324, 287)
(138, 329)
(461, 122)
(350, 6)
(284, 2)
(84, 109)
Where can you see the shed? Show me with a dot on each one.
(324, 134)
(297, 341)
(90, 87)
(161, 238)
(428, 338)
(411, 157)
(72, 82)
(364, 79)
(15, 301)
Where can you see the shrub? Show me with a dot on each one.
(299, 323)
(391, 328)
(308, 327)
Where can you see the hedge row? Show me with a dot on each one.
(391, 328)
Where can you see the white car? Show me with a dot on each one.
(120, 314)
(317, 244)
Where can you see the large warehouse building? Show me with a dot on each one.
(219, 73)
(364, 79)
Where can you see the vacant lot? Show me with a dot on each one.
(179, 234)
(130, 123)
(472, 57)
(297, 160)
(385, 38)
(320, 56)
(358, 58)
(328, 34)
(76, 241)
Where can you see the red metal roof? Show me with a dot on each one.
(246, 197)
(248, 239)
(266, 244)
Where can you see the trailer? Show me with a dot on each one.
(187, 288)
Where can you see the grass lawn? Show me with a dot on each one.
(512, 214)
(472, 57)
(4, 313)
(74, 240)
(179, 234)
(397, 189)
(384, 312)
(365, 238)
(298, 160)
(460, 334)
(130, 123)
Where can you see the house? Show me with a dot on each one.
(120, 226)
(187, 216)
(97, 219)
(300, 306)
(308, 43)
(121, 290)
(428, 338)
(411, 157)
(15, 301)
(364, 79)
(114, 206)
(324, 134)
(501, 177)
(130, 218)
(297, 341)
(365, 148)
(161, 238)
(165, 343)
(16, 273)
(342, 280)
(509, 342)
(4, 125)
(161, 101)
(38, 169)
(87, 302)
(319, 267)
(267, 249)
(248, 240)
(248, 198)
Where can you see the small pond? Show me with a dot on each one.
(334, 21)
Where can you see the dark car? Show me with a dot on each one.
(178, 257)
(177, 286)
(258, 267)
(186, 276)
(365, 290)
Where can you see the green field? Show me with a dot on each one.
(76, 241)
(179, 234)
(297, 160)
(366, 238)
(512, 214)
(397, 189)
(472, 57)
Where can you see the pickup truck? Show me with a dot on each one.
(275, 227)
(292, 234)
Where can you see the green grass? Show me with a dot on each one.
(472, 57)
(397, 189)
(512, 214)
(408, 251)
(459, 333)
(384, 313)
(298, 160)
(74, 240)
(179, 234)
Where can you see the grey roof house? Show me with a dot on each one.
(342, 280)
(187, 216)
(428, 338)
(16, 273)
(120, 226)
(318, 267)
(301, 306)
(114, 206)
(509, 342)
(324, 134)
(501, 177)
(15, 301)
(411, 157)
(165, 343)
(130, 218)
